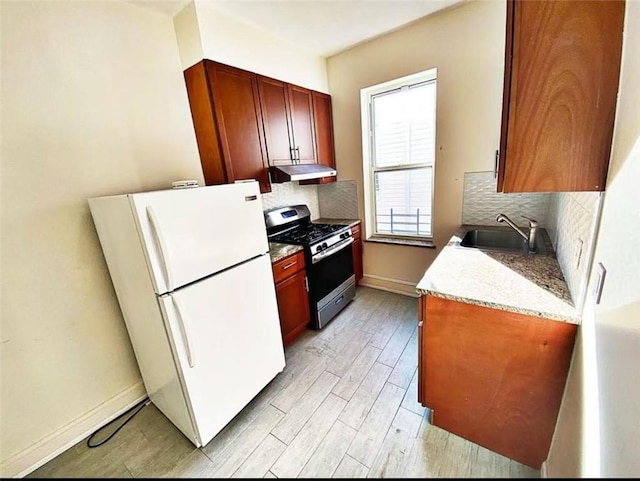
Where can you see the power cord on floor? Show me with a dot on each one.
(129, 415)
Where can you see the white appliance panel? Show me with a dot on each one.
(227, 341)
(128, 268)
(189, 234)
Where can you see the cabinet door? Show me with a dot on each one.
(356, 248)
(494, 377)
(207, 135)
(239, 121)
(323, 121)
(293, 306)
(421, 365)
(301, 108)
(562, 68)
(277, 124)
(323, 125)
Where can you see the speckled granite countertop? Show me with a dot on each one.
(279, 251)
(349, 222)
(527, 284)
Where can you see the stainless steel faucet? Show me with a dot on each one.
(533, 229)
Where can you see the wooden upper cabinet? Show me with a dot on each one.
(323, 125)
(225, 108)
(301, 108)
(562, 68)
(287, 113)
(277, 124)
(323, 120)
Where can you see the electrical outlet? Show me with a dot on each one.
(598, 282)
(579, 253)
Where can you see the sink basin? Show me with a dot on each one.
(501, 240)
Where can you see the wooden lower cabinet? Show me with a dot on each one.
(493, 377)
(291, 293)
(356, 249)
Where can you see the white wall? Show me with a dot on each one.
(466, 45)
(598, 430)
(231, 41)
(93, 103)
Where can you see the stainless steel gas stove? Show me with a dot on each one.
(328, 258)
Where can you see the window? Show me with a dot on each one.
(399, 130)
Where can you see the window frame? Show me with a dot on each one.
(369, 170)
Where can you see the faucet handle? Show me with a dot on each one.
(532, 222)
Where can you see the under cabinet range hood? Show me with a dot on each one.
(287, 173)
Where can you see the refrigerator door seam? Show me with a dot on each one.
(155, 227)
(217, 273)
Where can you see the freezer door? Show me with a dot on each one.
(225, 333)
(191, 233)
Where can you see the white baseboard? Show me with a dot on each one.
(388, 284)
(39, 453)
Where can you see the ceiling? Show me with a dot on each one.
(325, 27)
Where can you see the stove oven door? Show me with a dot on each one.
(331, 285)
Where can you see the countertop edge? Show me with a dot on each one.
(437, 280)
(327, 220)
(279, 251)
(501, 307)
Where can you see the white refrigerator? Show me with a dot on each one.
(192, 273)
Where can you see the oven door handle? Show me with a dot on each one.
(332, 250)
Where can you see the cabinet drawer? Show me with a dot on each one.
(288, 266)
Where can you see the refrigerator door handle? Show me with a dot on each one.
(184, 331)
(153, 220)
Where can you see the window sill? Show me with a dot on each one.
(405, 242)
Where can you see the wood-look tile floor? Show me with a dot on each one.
(344, 407)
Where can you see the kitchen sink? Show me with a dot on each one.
(501, 240)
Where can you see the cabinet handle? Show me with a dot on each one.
(291, 264)
(306, 283)
(495, 165)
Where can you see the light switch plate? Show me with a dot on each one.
(598, 283)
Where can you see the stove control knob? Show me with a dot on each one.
(324, 245)
(319, 248)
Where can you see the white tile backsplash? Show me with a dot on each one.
(570, 219)
(291, 193)
(572, 224)
(481, 203)
(338, 200)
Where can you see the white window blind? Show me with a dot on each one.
(401, 159)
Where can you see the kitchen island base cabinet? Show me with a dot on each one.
(291, 293)
(493, 377)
